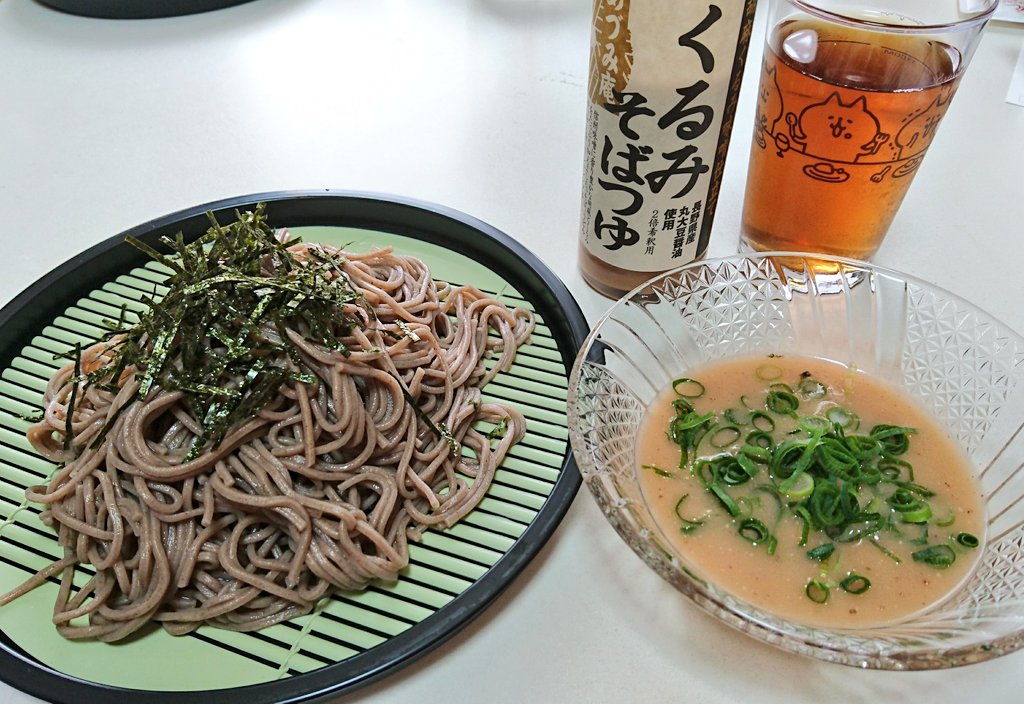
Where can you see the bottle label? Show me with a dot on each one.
(663, 84)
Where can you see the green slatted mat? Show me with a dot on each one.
(442, 566)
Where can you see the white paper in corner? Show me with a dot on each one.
(1016, 93)
(1010, 11)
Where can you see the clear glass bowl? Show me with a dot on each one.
(964, 366)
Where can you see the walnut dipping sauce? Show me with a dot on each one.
(810, 490)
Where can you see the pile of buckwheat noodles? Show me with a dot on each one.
(318, 491)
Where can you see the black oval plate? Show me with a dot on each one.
(138, 9)
(564, 328)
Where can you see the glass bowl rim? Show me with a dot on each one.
(741, 618)
(866, 266)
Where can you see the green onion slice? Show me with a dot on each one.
(885, 551)
(918, 515)
(781, 402)
(940, 556)
(727, 501)
(688, 388)
(855, 583)
(967, 540)
(894, 439)
(892, 469)
(825, 504)
(792, 457)
(817, 591)
(762, 422)
(657, 470)
(798, 486)
(754, 530)
(804, 515)
(731, 417)
(731, 471)
(865, 524)
(814, 424)
(725, 436)
(822, 552)
(863, 447)
(811, 388)
(747, 464)
(760, 439)
(689, 524)
(844, 418)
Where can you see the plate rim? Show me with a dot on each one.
(339, 208)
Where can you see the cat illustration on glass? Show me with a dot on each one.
(769, 106)
(837, 131)
(843, 129)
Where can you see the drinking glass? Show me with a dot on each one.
(850, 97)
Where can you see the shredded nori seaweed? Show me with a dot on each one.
(218, 334)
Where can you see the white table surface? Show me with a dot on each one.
(477, 105)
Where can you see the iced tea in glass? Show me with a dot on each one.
(849, 101)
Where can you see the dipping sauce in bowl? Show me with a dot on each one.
(810, 489)
(897, 571)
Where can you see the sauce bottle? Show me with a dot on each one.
(662, 88)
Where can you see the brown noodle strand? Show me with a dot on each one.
(319, 491)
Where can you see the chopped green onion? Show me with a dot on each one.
(837, 459)
(811, 388)
(863, 447)
(768, 372)
(781, 402)
(855, 584)
(747, 505)
(923, 538)
(763, 441)
(747, 464)
(689, 524)
(688, 388)
(754, 530)
(762, 422)
(918, 515)
(843, 487)
(817, 591)
(799, 486)
(725, 436)
(885, 551)
(730, 417)
(940, 556)
(727, 501)
(822, 552)
(845, 419)
(814, 424)
(967, 540)
(731, 471)
(895, 440)
(657, 470)
(804, 515)
(892, 469)
(689, 422)
(903, 500)
(792, 457)
(863, 525)
(825, 504)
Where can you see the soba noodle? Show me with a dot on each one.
(319, 491)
